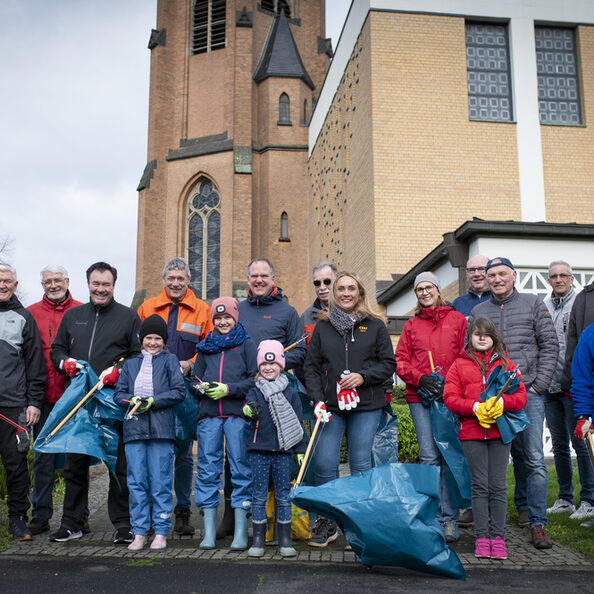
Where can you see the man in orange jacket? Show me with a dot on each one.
(188, 322)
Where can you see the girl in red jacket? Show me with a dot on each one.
(486, 454)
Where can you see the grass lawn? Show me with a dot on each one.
(560, 528)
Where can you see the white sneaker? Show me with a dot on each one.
(561, 506)
(584, 511)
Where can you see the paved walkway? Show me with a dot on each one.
(99, 543)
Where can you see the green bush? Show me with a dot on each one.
(408, 448)
(398, 394)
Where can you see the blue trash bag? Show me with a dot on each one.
(425, 398)
(388, 516)
(385, 443)
(186, 420)
(509, 424)
(90, 430)
(306, 406)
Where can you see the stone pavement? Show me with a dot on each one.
(99, 543)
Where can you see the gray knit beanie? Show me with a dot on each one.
(427, 277)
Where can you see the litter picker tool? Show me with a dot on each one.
(134, 409)
(431, 361)
(307, 453)
(292, 346)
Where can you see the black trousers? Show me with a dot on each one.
(15, 465)
(76, 499)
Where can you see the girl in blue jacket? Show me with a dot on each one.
(225, 369)
(153, 379)
(277, 434)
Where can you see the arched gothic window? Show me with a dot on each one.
(284, 110)
(204, 239)
(284, 227)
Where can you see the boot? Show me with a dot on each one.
(240, 536)
(284, 539)
(259, 542)
(182, 522)
(226, 526)
(210, 528)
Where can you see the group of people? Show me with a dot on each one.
(234, 358)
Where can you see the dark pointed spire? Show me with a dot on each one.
(280, 56)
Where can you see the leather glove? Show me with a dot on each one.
(321, 413)
(216, 390)
(583, 427)
(109, 377)
(147, 403)
(431, 386)
(495, 407)
(347, 399)
(300, 459)
(71, 366)
(482, 414)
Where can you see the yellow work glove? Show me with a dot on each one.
(482, 414)
(495, 407)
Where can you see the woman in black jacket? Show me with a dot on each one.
(349, 361)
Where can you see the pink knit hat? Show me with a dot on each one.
(271, 351)
(224, 305)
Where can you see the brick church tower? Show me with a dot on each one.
(231, 92)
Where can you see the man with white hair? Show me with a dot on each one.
(22, 384)
(48, 314)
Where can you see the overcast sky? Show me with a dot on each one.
(74, 117)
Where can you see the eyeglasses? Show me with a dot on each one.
(428, 289)
(554, 276)
(53, 281)
(326, 281)
(477, 269)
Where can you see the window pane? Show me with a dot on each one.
(195, 252)
(213, 255)
(284, 112)
(556, 67)
(488, 72)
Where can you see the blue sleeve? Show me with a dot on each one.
(296, 356)
(124, 389)
(249, 356)
(174, 381)
(582, 374)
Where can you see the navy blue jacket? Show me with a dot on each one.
(271, 318)
(236, 367)
(263, 437)
(169, 387)
(582, 374)
(466, 302)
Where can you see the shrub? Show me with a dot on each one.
(408, 448)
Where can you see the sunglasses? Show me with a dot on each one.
(326, 281)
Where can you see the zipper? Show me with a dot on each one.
(256, 431)
(92, 337)
(221, 380)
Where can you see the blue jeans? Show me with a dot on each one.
(429, 454)
(210, 432)
(529, 464)
(360, 427)
(150, 474)
(264, 464)
(184, 472)
(561, 423)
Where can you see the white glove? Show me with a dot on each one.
(347, 399)
(321, 413)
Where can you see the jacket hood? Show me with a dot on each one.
(589, 288)
(435, 313)
(64, 304)
(12, 303)
(275, 295)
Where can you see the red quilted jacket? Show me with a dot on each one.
(463, 385)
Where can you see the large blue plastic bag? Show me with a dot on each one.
(388, 516)
(385, 443)
(186, 420)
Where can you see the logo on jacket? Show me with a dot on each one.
(267, 317)
(363, 328)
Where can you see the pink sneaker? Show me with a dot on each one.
(482, 548)
(498, 549)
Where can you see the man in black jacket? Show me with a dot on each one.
(22, 387)
(99, 332)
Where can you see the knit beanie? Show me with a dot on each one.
(427, 277)
(154, 324)
(224, 305)
(271, 351)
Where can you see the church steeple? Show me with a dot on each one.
(280, 56)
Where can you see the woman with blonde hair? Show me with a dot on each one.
(349, 361)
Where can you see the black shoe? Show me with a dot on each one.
(18, 528)
(123, 536)
(37, 526)
(182, 522)
(324, 532)
(227, 524)
(63, 534)
(85, 528)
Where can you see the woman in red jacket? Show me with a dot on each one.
(436, 327)
(486, 454)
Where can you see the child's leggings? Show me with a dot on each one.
(279, 465)
(487, 461)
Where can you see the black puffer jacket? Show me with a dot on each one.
(98, 335)
(530, 338)
(368, 351)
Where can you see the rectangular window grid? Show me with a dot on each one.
(488, 72)
(556, 67)
(208, 33)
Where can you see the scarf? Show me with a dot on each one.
(216, 343)
(143, 384)
(342, 321)
(288, 428)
